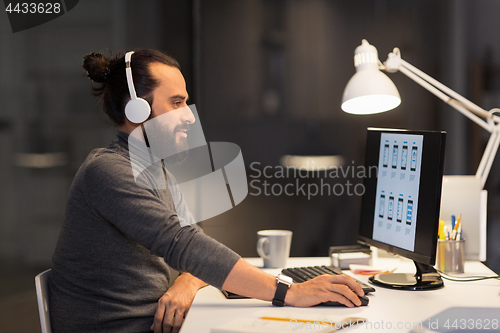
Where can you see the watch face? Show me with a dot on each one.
(284, 279)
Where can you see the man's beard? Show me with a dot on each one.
(180, 151)
(166, 146)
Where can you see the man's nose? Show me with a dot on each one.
(187, 115)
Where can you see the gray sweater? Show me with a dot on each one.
(110, 264)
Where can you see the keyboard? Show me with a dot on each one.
(301, 274)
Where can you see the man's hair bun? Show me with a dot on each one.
(97, 67)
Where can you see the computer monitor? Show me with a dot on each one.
(400, 207)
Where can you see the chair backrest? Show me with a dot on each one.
(42, 296)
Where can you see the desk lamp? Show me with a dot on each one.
(371, 91)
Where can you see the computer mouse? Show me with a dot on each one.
(364, 301)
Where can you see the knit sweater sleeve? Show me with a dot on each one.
(149, 217)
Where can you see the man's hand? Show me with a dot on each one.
(337, 288)
(245, 279)
(175, 304)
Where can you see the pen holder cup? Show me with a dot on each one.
(450, 257)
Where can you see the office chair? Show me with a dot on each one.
(42, 296)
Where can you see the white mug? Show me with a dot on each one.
(274, 247)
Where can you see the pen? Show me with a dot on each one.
(446, 233)
(289, 319)
(376, 273)
(459, 232)
(345, 322)
(456, 227)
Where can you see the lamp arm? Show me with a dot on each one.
(467, 104)
(489, 156)
(459, 103)
(450, 97)
(445, 98)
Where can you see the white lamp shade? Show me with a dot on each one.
(370, 91)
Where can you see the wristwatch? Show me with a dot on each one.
(283, 282)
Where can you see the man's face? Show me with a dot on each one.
(170, 109)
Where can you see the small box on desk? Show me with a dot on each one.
(343, 256)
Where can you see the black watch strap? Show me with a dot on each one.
(279, 296)
(282, 285)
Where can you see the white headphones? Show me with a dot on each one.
(137, 109)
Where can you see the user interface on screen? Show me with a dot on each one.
(398, 181)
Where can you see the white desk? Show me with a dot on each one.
(210, 308)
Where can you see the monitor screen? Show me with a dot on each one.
(400, 207)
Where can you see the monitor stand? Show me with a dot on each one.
(425, 278)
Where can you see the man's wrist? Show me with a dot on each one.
(290, 295)
(192, 281)
(283, 283)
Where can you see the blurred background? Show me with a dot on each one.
(267, 75)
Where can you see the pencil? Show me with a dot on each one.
(290, 319)
(344, 322)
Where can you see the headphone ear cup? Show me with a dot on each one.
(137, 110)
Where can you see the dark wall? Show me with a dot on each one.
(265, 74)
(271, 70)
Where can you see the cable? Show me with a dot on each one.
(466, 278)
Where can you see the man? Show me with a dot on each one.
(110, 269)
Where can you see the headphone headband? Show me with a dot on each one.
(137, 109)
(128, 73)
